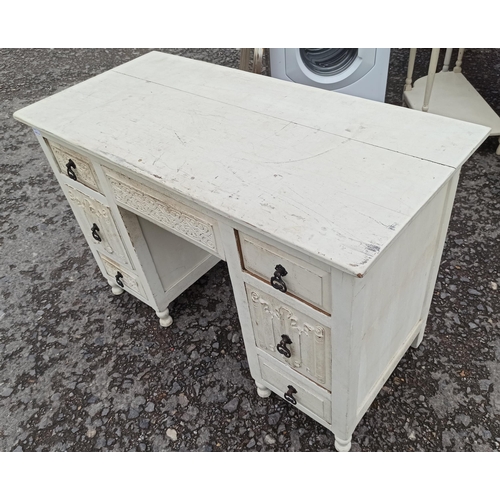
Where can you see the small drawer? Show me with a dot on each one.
(164, 211)
(97, 223)
(303, 280)
(293, 391)
(291, 337)
(75, 166)
(122, 277)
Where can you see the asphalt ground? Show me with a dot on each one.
(84, 370)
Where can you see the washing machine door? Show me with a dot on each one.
(330, 69)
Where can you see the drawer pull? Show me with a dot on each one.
(282, 346)
(69, 167)
(289, 395)
(118, 279)
(276, 280)
(95, 232)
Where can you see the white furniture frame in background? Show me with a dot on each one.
(331, 212)
(448, 93)
(256, 66)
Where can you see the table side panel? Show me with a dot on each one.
(392, 299)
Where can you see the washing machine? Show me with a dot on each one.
(358, 72)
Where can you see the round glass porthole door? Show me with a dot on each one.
(328, 62)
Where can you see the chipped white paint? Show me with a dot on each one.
(118, 274)
(304, 280)
(83, 170)
(98, 216)
(252, 148)
(197, 162)
(164, 211)
(310, 342)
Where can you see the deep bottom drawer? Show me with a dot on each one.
(306, 400)
(123, 277)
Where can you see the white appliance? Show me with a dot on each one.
(358, 72)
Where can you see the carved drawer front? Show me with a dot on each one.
(164, 211)
(302, 279)
(75, 165)
(98, 224)
(290, 389)
(291, 337)
(122, 277)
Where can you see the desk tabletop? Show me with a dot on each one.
(331, 175)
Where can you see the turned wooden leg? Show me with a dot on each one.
(458, 64)
(498, 149)
(447, 59)
(115, 288)
(411, 65)
(342, 444)
(165, 318)
(262, 390)
(430, 78)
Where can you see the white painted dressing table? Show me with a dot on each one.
(331, 212)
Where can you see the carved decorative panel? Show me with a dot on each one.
(310, 350)
(96, 213)
(168, 213)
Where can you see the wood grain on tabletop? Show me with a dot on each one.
(337, 184)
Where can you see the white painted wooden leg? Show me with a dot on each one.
(165, 318)
(430, 78)
(447, 59)
(262, 390)
(409, 74)
(498, 149)
(418, 339)
(115, 288)
(458, 64)
(342, 444)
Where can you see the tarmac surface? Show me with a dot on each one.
(84, 370)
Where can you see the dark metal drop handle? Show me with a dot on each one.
(118, 279)
(289, 395)
(69, 168)
(95, 232)
(276, 280)
(282, 346)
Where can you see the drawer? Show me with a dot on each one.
(166, 212)
(74, 165)
(291, 337)
(117, 274)
(305, 399)
(303, 280)
(98, 225)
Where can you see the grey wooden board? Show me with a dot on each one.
(333, 176)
